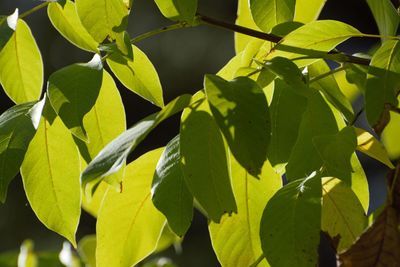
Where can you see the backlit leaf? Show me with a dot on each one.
(139, 75)
(87, 250)
(307, 11)
(241, 112)
(21, 72)
(242, 246)
(64, 18)
(128, 225)
(245, 19)
(390, 136)
(291, 223)
(386, 16)
(179, 10)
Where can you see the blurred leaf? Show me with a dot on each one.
(241, 111)
(307, 11)
(67, 256)
(52, 183)
(8, 25)
(17, 127)
(170, 194)
(129, 226)
(386, 17)
(241, 230)
(268, 13)
(160, 262)
(139, 75)
(390, 136)
(383, 81)
(342, 213)
(21, 72)
(27, 256)
(103, 18)
(87, 250)
(378, 246)
(205, 162)
(291, 223)
(370, 146)
(65, 19)
(112, 157)
(245, 19)
(167, 239)
(73, 91)
(178, 10)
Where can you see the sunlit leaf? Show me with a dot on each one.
(21, 72)
(245, 19)
(390, 136)
(386, 16)
(180, 10)
(87, 250)
(139, 75)
(291, 223)
(73, 91)
(307, 11)
(128, 225)
(242, 246)
(64, 18)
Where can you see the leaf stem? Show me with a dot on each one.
(258, 261)
(329, 73)
(172, 27)
(34, 9)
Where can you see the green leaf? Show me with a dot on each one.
(241, 112)
(129, 226)
(8, 25)
(205, 162)
(73, 91)
(329, 87)
(68, 257)
(318, 119)
(21, 72)
(268, 13)
(335, 151)
(65, 19)
(167, 239)
(307, 11)
(287, 109)
(91, 203)
(178, 10)
(242, 246)
(87, 250)
(113, 156)
(390, 136)
(383, 80)
(245, 19)
(139, 75)
(169, 191)
(103, 18)
(320, 36)
(27, 256)
(51, 182)
(291, 223)
(342, 214)
(386, 17)
(124, 46)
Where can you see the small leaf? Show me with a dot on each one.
(64, 18)
(342, 214)
(8, 25)
(251, 196)
(386, 17)
(268, 13)
(139, 75)
(205, 162)
(169, 191)
(112, 157)
(129, 226)
(241, 112)
(244, 19)
(87, 250)
(370, 146)
(390, 136)
(103, 18)
(291, 223)
(123, 43)
(51, 183)
(27, 256)
(307, 11)
(73, 91)
(378, 246)
(21, 72)
(178, 10)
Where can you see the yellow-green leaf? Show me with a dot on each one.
(21, 72)
(390, 136)
(128, 225)
(307, 11)
(244, 19)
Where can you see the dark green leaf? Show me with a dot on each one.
(7, 27)
(241, 112)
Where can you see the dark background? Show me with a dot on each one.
(181, 58)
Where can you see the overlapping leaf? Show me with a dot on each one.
(180, 10)
(307, 11)
(8, 25)
(244, 19)
(128, 225)
(386, 16)
(390, 136)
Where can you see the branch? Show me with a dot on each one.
(34, 9)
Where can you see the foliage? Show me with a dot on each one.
(266, 151)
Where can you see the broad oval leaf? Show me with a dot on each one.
(205, 162)
(179, 10)
(241, 112)
(128, 225)
(112, 157)
(291, 223)
(245, 19)
(343, 216)
(73, 91)
(103, 18)
(52, 183)
(64, 18)
(242, 246)
(307, 11)
(268, 13)
(386, 16)
(169, 191)
(8, 25)
(21, 72)
(139, 75)
(383, 81)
